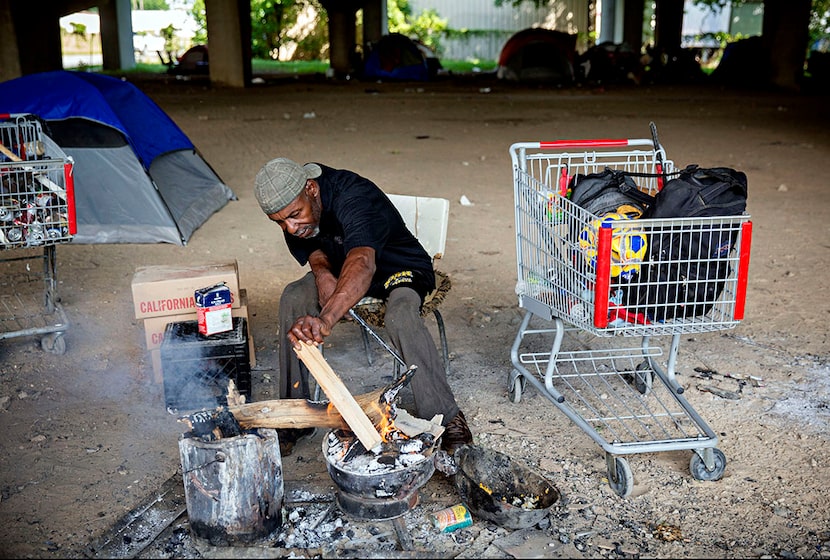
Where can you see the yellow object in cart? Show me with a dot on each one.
(628, 246)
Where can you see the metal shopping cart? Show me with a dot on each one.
(37, 212)
(624, 396)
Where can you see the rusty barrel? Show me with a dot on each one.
(233, 487)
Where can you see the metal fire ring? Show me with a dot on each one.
(377, 509)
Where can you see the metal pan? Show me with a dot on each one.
(497, 488)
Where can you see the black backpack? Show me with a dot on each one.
(607, 191)
(685, 269)
(696, 191)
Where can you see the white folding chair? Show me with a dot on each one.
(427, 219)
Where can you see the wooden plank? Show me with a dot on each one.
(300, 413)
(339, 395)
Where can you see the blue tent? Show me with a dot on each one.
(138, 178)
(396, 57)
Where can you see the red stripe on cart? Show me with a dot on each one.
(603, 283)
(598, 143)
(743, 270)
(69, 176)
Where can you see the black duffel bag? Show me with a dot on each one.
(685, 269)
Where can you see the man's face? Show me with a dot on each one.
(301, 218)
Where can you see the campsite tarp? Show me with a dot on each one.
(538, 54)
(138, 177)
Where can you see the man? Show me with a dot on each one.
(356, 244)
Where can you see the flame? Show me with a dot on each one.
(386, 425)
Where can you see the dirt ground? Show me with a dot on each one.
(86, 437)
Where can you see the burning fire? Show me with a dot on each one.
(386, 425)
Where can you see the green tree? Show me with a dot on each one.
(78, 31)
(198, 12)
(427, 26)
(274, 26)
(150, 5)
(517, 3)
(820, 24)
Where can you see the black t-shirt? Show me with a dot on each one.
(356, 213)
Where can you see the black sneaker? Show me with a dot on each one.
(456, 434)
(288, 438)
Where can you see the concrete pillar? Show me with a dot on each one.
(116, 34)
(342, 38)
(668, 15)
(9, 53)
(35, 37)
(786, 33)
(633, 23)
(229, 41)
(375, 22)
(343, 34)
(608, 21)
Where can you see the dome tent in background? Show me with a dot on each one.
(138, 178)
(397, 57)
(538, 55)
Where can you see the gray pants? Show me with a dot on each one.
(406, 330)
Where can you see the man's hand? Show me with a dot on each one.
(308, 329)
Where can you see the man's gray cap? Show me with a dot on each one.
(280, 181)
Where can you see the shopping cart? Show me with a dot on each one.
(624, 396)
(37, 212)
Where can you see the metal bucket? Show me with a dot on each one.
(497, 488)
(233, 487)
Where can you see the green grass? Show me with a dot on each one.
(469, 67)
(261, 66)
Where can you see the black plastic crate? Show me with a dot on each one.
(197, 367)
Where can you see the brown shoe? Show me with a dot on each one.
(456, 434)
(289, 437)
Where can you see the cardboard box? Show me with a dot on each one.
(154, 333)
(169, 290)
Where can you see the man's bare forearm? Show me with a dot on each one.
(352, 285)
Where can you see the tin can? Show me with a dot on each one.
(452, 518)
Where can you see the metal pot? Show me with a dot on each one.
(490, 483)
(382, 495)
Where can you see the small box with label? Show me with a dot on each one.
(213, 308)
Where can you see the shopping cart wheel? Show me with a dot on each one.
(515, 386)
(53, 343)
(620, 478)
(643, 378)
(699, 470)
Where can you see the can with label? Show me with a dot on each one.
(452, 518)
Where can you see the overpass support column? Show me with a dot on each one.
(116, 35)
(375, 22)
(229, 41)
(342, 34)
